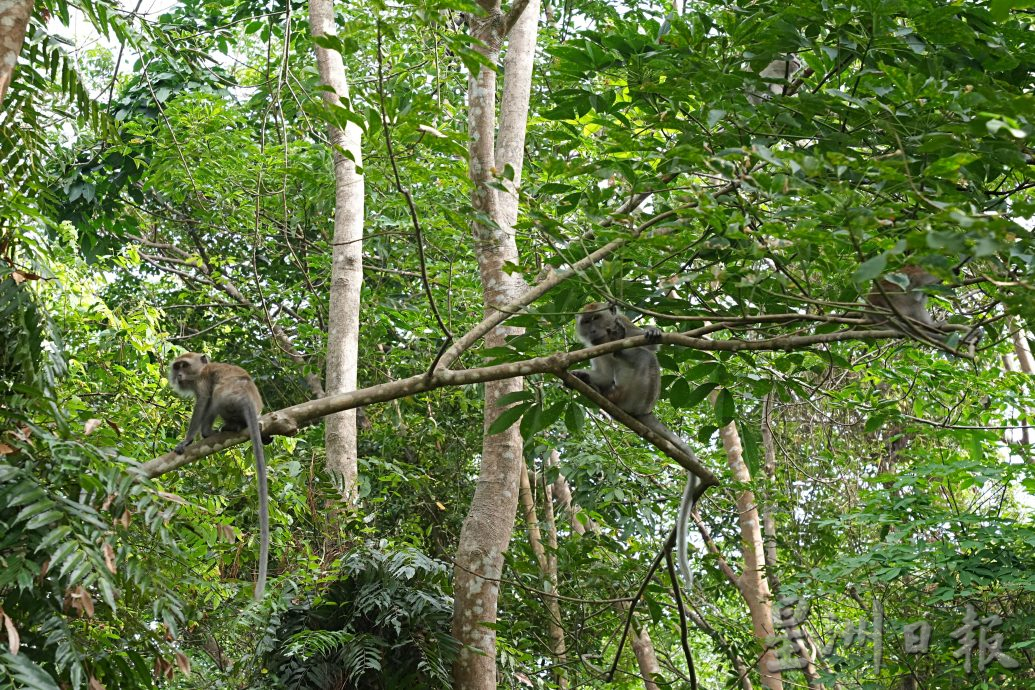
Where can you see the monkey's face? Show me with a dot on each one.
(184, 372)
(597, 324)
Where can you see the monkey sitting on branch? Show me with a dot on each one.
(901, 301)
(226, 391)
(631, 379)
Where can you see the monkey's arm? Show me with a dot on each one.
(599, 376)
(197, 419)
(635, 355)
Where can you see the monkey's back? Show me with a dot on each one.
(233, 390)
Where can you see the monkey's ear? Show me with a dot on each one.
(612, 307)
(204, 359)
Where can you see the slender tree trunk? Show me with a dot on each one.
(490, 520)
(1026, 364)
(1023, 351)
(14, 19)
(796, 633)
(547, 563)
(346, 258)
(752, 582)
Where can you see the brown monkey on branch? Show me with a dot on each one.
(226, 391)
(905, 306)
(631, 379)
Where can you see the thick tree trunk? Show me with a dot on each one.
(346, 259)
(490, 521)
(14, 19)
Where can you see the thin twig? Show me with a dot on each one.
(418, 235)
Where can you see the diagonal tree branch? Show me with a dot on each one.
(286, 422)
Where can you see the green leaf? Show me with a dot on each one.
(507, 418)
(679, 393)
(870, 269)
(574, 418)
(700, 393)
(44, 519)
(949, 166)
(725, 410)
(516, 396)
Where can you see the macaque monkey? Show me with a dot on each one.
(631, 379)
(907, 305)
(226, 391)
(906, 308)
(776, 71)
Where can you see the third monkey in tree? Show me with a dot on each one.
(905, 307)
(907, 304)
(226, 391)
(631, 379)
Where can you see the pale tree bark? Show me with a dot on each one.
(14, 19)
(1020, 360)
(486, 530)
(547, 563)
(642, 645)
(751, 582)
(796, 633)
(346, 258)
(1022, 350)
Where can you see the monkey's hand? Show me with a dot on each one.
(584, 377)
(180, 447)
(653, 334)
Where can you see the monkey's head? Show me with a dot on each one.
(599, 323)
(184, 372)
(915, 278)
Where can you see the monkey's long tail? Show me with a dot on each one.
(686, 506)
(252, 418)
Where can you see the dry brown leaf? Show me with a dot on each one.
(91, 425)
(109, 557)
(108, 500)
(124, 519)
(163, 669)
(21, 276)
(13, 641)
(114, 426)
(183, 662)
(79, 599)
(96, 684)
(7, 450)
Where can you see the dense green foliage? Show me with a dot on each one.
(179, 194)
